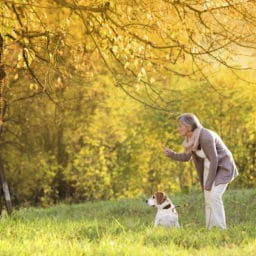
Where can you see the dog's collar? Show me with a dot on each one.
(167, 206)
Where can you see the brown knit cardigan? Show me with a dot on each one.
(222, 168)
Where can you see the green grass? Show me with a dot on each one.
(125, 227)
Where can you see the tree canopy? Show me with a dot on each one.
(136, 41)
(68, 129)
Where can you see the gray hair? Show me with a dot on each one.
(189, 120)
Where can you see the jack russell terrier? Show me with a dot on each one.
(167, 215)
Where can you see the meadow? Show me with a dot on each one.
(125, 227)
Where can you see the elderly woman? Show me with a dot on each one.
(214, 164)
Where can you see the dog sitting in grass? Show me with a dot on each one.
(166, 215)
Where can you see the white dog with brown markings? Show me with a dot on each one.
(167, 215)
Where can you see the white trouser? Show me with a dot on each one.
(214, 208)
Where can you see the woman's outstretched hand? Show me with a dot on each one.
(167, 151)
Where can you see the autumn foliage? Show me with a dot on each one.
(93, 88)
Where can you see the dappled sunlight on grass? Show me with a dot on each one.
(125, 227)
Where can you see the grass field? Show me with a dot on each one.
(125, 227)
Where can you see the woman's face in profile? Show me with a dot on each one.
(183, 130)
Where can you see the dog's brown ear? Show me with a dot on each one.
(160, 197)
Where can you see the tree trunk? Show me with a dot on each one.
(2, 75)
(3, 182)
(5, 188)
